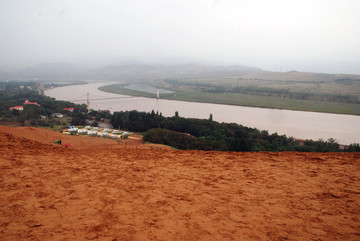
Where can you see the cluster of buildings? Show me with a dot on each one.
(21, 108)
(95, 131)
(27, 102)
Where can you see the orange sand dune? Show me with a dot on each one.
(105, 191)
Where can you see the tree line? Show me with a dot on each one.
(201, 134)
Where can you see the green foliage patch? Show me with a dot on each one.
(15, 95)
(200, 134)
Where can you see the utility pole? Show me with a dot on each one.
(88, 101)
(41, 88)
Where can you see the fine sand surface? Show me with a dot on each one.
(100, 190)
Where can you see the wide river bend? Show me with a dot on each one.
(299, 124)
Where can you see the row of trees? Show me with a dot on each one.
(201, 134)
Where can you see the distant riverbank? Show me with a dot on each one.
(241, 100)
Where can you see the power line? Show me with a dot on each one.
(107, 98)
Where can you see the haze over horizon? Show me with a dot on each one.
(279, 35)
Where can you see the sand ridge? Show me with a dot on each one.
(137, 192)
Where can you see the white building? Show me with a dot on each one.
(82, 131)
(73, 129)
(57, 115)
(92, 132)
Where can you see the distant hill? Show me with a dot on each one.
(57, 71)
(147, 72)
(4, 75)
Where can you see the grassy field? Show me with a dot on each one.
(346, 87)
(245, 100)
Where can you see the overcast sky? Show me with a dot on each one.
(280, 35)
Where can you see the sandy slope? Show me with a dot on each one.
(47, 136)
(105, 191)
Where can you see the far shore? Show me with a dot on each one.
(268, 102)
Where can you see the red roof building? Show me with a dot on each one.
(17, 108)
(69, 109)
(27, 102)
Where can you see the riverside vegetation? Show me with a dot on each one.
(201, 134)
(16, 92)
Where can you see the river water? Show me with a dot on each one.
(299, 124)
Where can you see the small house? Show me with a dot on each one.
(102, 133)
(92, 132)
(69, 109)
(82, 131)
(27, 102)
(73, 129)
(17, 108)
(57, 115)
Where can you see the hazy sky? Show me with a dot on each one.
(280, 35)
